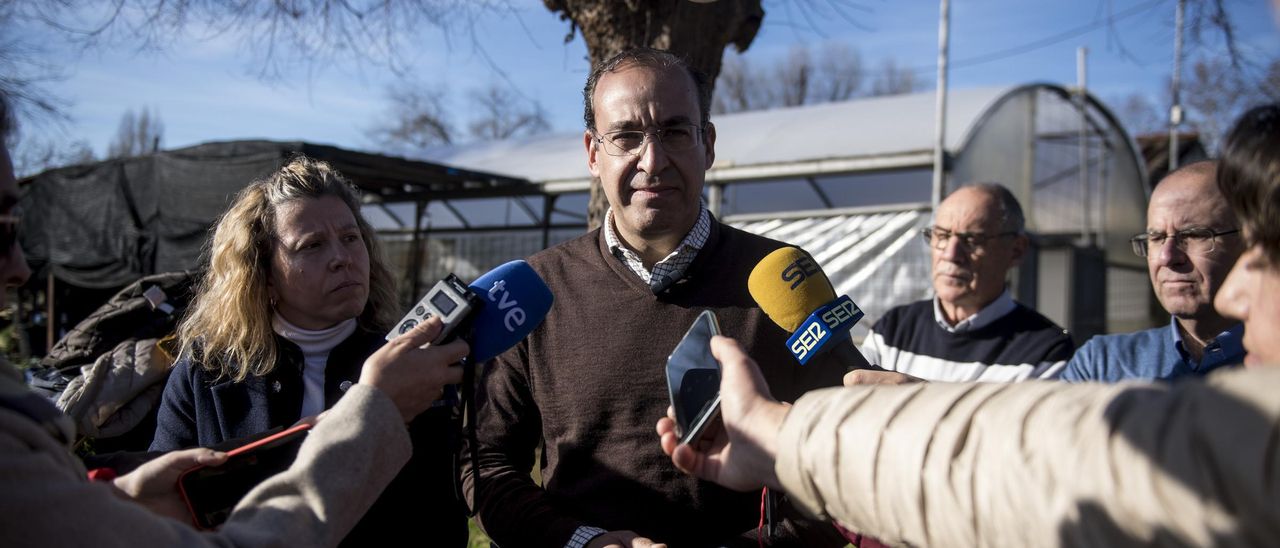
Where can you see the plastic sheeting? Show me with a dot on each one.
(106, 224)
(877, 259)
(109, 223)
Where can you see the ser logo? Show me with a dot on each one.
(841, 313)
(827, 325)
(806, 340)
(798, 271)
(499, 295)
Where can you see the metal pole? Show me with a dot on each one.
(1175, 111)
(415, 252)
(1086, 232)
(715, 195)
(940, 123)
(548, 209)
(51, 318)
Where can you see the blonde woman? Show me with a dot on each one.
(294, 299)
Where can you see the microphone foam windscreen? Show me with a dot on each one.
(516, 300)
(789, 285)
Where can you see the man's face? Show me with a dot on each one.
(972, 277)
(1186, 282)
(655, 193)
(13, 264)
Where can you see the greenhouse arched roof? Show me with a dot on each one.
(864, 133)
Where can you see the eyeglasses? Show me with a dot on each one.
(937, 238)
(631, 142)
(1197, 241)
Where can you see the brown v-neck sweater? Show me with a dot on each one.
(589, 385)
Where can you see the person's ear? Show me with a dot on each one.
(710, 136)
(1020, 245)
(589, 141)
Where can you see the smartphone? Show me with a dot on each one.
(693, 379)
(210, 492)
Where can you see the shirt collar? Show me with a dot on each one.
(672, 267)
(999, 308)
(1228, 343)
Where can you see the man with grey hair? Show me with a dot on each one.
(1191, 242)
(972, 330)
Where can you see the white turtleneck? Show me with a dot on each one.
(315, 347)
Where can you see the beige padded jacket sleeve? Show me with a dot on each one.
(344, 464)
(1043, 463)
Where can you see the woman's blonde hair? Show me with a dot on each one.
(228, 326)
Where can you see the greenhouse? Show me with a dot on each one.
(851, 183)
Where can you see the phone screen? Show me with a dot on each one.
(693, 379)
(212, 491)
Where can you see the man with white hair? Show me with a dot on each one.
(972, 330)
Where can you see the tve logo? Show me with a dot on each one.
(799, 270)
(827, 326)
(500, 296)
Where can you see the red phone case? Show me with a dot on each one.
(241, 451)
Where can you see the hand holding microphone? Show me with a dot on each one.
(492, 314)
(412, 371)
(794, 292)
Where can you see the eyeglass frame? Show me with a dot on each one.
(970, 240)
(699, 132)
(1141, 242)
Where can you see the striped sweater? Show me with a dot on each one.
(1020, 345)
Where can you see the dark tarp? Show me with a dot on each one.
(106, 224)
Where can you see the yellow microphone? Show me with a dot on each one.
(795, 293)
(789, 285)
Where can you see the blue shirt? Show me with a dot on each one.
(1156, 353)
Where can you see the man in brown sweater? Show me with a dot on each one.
(589, 383)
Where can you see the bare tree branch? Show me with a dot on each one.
(796, 80)
(137, 135)
(499, 115)
(416, 119)
(893, 80)
(34, 155)
(839, 73)
(1139, 115)
(793, 77)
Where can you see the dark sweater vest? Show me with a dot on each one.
(589, 385)
(1022, 336)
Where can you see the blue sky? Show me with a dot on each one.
(204, 85)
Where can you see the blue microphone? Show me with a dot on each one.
(515, 301)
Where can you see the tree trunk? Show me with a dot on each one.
(697, 31)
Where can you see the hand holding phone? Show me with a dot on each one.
(211, 492)
(693, 379)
